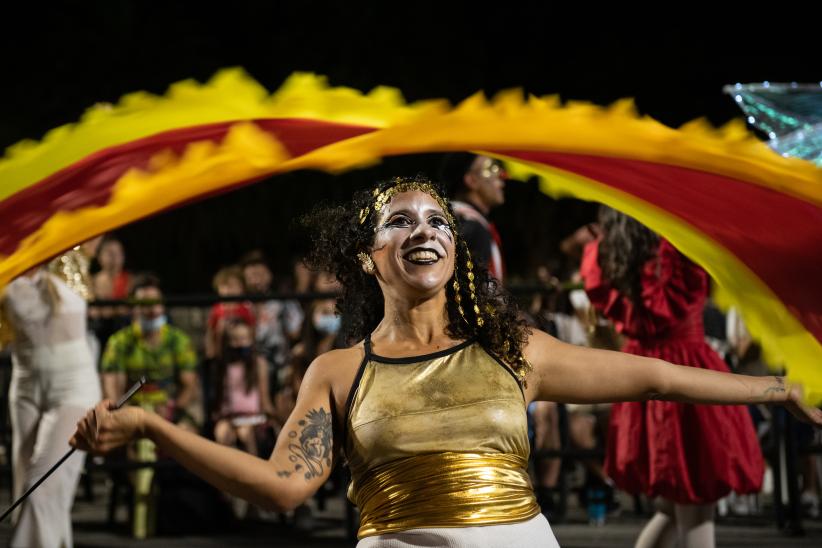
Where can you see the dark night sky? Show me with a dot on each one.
(61, 58)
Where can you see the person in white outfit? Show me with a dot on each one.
(54, 381)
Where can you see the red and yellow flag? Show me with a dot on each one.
(752, 218)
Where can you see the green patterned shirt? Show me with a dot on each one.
(128, 352)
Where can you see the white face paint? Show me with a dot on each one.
(414, 243)
(405, 219)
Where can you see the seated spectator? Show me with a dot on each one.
(228, 282)
(321, 328)
(278, 322)
(163, 354)
(242, 381)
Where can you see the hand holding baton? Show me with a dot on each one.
(122, 401)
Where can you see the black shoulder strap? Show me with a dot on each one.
(349, 401)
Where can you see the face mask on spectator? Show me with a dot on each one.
(238, 353)
(150, 325)
(327, 324)
(579, 300)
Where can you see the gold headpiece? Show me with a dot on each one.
(381, 198)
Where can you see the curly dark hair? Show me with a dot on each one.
(625, 247)
(338, 237)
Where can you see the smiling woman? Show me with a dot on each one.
(408, 231)
(428, 407)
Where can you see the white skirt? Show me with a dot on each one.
(534, 533)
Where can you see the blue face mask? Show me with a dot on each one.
(150, 325)
(327, 324)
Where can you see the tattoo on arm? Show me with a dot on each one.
(311, 448)
(779, 387)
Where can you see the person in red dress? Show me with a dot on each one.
(687, 456)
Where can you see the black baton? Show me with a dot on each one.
(127, 396)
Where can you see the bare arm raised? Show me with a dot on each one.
(568, 373)
(300, 463)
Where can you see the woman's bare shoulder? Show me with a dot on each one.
(338, 362)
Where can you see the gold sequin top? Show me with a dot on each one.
(439, 440)
(73, 268)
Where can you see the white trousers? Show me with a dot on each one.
(51, 389)
(534, 533)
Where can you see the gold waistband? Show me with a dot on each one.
(444, 490)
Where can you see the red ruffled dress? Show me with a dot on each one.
(689, 454)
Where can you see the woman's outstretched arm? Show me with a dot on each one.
(569, 373)
(300, 463)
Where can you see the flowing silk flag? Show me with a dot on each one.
(750, 217)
